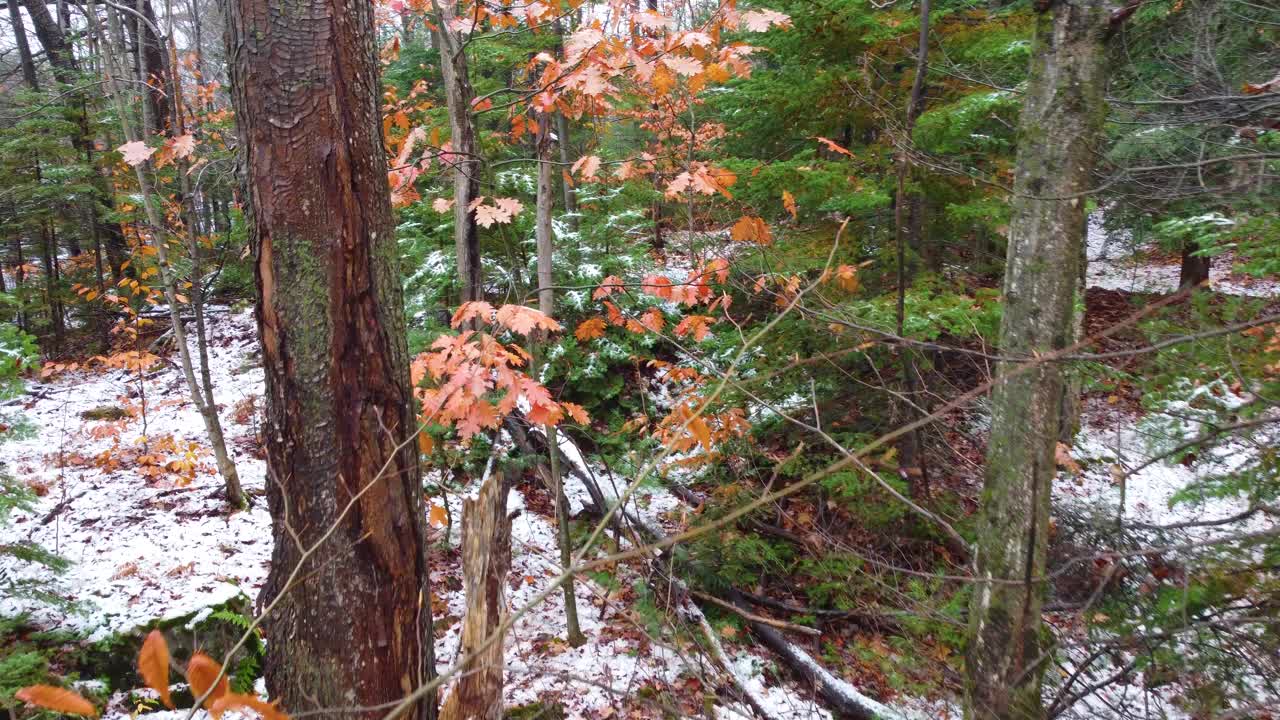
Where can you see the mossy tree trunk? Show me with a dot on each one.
(355, 630)
(1057, 146)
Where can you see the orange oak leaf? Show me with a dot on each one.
(153, 665)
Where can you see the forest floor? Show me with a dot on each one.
(148, 535)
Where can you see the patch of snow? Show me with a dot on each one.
(140, 549)
(1116, 263)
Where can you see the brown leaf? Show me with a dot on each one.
(56, 699)
(153, 665)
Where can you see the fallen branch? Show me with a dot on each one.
(717, 651)
(840, 696)
(780, 624)
(62, 505)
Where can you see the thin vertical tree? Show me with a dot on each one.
(1058, 134)
(342, 467)
(544, 237)
(463, 156)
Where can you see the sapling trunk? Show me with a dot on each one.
(546, 303)
(204, 403)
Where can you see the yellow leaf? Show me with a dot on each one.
(789, 202)
(56, 699)
(153, 665)
(425, 443)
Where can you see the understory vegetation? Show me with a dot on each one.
(764, 358)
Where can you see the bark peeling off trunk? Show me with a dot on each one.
(355, 630)
(1060, 127)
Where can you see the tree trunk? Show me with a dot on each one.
(466, 164)
(51, 38)
(566, 161)
(65, 69)
(153, 66)
(1195, 268)
(24, 49)
(546, 303)
(912, 460)
(356, 629)
(206, 401)
(1057, 146)
(486, 559)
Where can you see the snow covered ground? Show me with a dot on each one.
(145, 545)
(1116, 262)
(142, 545)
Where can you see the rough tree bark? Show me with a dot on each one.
(1059, 129)
(356, 629)
(465, 161)
(486, 559)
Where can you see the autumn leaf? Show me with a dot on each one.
(525, 320)
(751, 229)
(697, 325)
(136, 152)
(686, 66)
(239, 701)
(832, 146)
(437, 516)
(608, 286)
(760, 20)
(590, 329)
(576, 412)
(442, 205)
(478, 309)
(201, 671)
(183, 146)
(700, 430)
(153, 665)
(502, 211)
(789, 202)
(586, 167)
(650, 20)
(425, 443)
(653, 320)
(56, 699)
(545, 414)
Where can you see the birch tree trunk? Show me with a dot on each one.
(342, 466)
(1057, 137)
